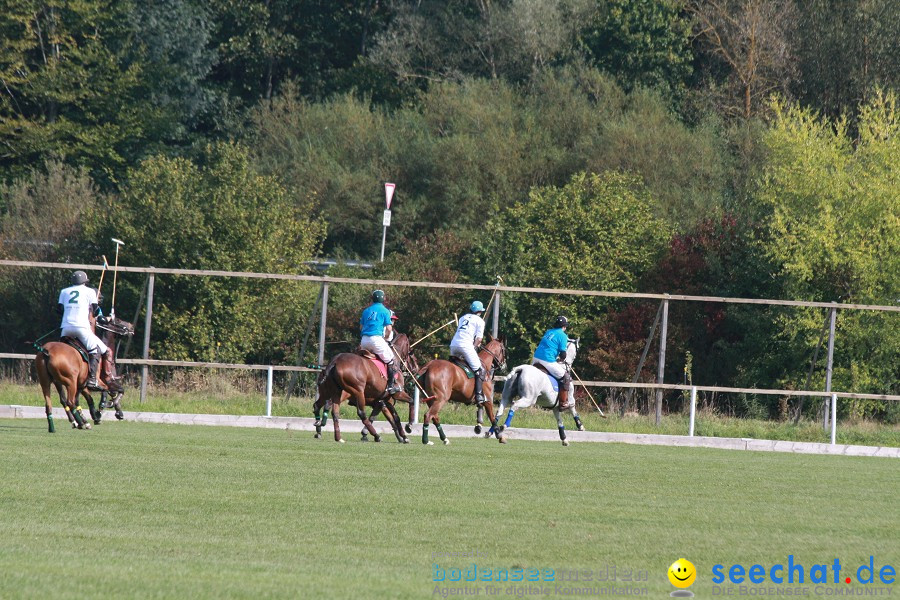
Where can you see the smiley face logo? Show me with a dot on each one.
(682, 573)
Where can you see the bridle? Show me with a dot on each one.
(496, 361)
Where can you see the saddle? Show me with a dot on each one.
(554, 382)
(462, 364)
(75, 343)
(382, 368)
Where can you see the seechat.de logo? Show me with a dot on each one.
(682, 574)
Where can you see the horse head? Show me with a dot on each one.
(118, 327)
(496, 347)
(572, 350)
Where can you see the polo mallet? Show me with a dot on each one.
(102, 273)
(588, 392)
(112, 310)
(411, 346)
(493, 294)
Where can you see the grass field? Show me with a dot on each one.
(133, 510)
(231, 402)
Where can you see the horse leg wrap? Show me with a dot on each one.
(440, 431)
(562, 432)
(509, 418)
(50, 423)
(425, 433)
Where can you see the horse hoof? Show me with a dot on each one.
(446, 441)
(502, 439)
(317, 435)
(565, 442)
(377, 438)
(408, 428)
(120, 415)
(477, 429)
(87, 425)
(365, 439)
(428, 443)
(581, 428)
(96, 421)
(340, 441)
(405, 441)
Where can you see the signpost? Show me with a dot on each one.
(386, 221)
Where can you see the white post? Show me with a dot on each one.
(416, 405)
(833, 418)
(383, 238)
(693, 408)
(269, 392)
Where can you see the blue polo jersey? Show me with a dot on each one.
(553, 342)
(374, 319)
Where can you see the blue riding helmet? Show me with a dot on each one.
(476, 307)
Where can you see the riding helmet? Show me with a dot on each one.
(79, 277)
(394, 316)
(476, 307)
(377, 296)
(560, 322)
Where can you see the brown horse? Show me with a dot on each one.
(443, 381)
(350, 375)
(61, 364)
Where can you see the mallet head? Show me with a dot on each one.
(118, 242)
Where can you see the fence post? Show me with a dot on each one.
(322, 324)
(495, 326)
(416, 405)
(269, 391)
(693, 409)
(831, 327)
(833, 418)
(661, 369)
(148, 318)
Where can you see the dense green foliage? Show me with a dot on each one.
(616, 144)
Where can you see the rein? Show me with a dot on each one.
(495, 359)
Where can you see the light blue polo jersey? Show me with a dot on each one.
(374, 319)
(553, 342)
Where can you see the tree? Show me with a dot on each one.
(834, 234)
(219, 214)
(641, 42)
(595, 233)
(751, 39)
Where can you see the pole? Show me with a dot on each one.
(322, 321)
(269, 392)
(661, 369)
(833, 418)
(416, 405)
(597, 406)
(495, 321)
(112, 310)
(828, 370)
(413, 345)
(693, 409)
(383, 238)
(637, 372)
(148, 319)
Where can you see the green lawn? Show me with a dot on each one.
(136, 510)
(232, 402)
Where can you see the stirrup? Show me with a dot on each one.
(93, 385)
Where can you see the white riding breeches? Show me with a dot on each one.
(467, 353)
(376, 345)
(557, 369)
(86, 337)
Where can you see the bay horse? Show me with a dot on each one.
(63, 366)
(352, 376)
(443, 382)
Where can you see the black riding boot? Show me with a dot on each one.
(479, 387)
(93, 364)
(393, 387)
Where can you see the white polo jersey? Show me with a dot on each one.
(76, 301)
(471, 327)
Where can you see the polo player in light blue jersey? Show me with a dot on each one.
(375, 325)
(551, 354)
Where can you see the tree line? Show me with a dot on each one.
(714, 147)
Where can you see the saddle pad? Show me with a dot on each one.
(382, 368)
(77, 345)
(462, 364)
(554, 382)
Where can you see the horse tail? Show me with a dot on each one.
(511, 386)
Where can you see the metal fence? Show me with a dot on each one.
(494, 318)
